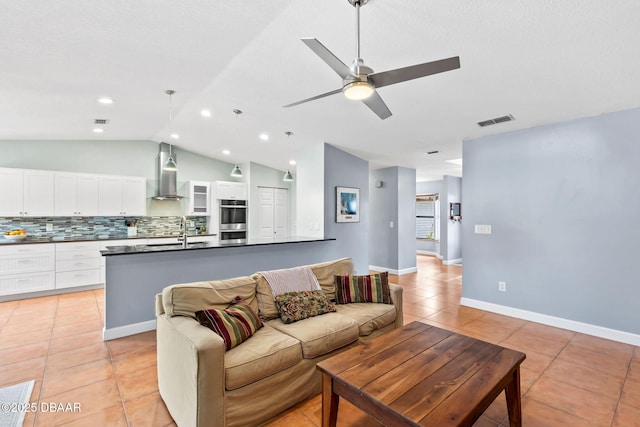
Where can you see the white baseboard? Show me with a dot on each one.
(452, 261)
(421, 252)
(558, 322)
(392, 271)
(125, 331)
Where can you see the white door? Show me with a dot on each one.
(266, 213)
(281, 212)
(39, 188)
(88, 195)
(110, 196)
(66, 194)
(134, 196)
(10, 192)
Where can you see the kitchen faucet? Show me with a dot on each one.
(183, 230)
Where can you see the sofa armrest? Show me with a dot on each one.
(190, 371)
(396, 297)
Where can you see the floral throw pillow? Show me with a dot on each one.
(370, 288)
(235, 324)
(294, 306)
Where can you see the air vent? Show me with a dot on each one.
(496, 121)
(433, 152)
(101, 121)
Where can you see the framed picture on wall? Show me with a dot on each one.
(347, 204)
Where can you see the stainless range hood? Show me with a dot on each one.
(167, 180)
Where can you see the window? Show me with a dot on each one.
(428, 217)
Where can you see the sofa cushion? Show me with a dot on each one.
(266, 353)
(370, 288)
(296, 306)
(370, 317)
(235, 324)
(187, 298)
(321, 334)
(323, 271)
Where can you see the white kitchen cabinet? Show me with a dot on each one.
(199, 194)
(77, 264)
(76, 194)
(26, 268)
(120, 196)
(26, 192)
(227, 190)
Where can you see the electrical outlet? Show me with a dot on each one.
(49, 226)
(502, 286)
(390, 224)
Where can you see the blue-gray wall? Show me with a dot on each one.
(562, 201)
(342, 169)
(450, 231)
(394, 247)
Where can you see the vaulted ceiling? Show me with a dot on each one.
(540, 61)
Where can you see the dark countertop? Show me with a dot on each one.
(151, 248)
(62, 239)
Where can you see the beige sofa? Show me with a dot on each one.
(202, 385)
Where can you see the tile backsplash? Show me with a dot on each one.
(100, 227)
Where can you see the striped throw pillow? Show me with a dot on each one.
(370, 288)
(235, 324)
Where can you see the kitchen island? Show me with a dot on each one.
(135, 274)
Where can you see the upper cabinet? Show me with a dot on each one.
(76, 194)
(26, 192)
(227, 190)
(199, 198)
(122, 195)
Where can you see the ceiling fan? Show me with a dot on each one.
(359, 82)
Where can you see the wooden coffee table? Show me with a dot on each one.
(420, 375)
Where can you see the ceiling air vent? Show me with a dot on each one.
(433, 152)
(496, 121)
(101, 121)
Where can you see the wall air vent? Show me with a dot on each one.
(101, 121)
(496, 121)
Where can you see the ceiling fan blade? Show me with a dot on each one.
(377, 105)
(327, 56)
(333, 92)
(399, 75)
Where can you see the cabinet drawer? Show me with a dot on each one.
(70, 279)
(75, 255)
(24, 264)
(38, 248)
(21, 283)
(79, 246)
(79, 264)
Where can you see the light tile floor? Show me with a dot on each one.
(568, 378)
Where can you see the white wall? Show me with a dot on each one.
(310, 192)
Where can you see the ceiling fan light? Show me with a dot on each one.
(287, 177)
(236, 172)
(358, 90)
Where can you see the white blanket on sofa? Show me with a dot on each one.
(291, 280)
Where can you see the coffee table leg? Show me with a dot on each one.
(330, 402)
(514, 407)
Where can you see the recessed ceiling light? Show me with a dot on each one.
(105, 100)
(205, 113)
(226, 152)
(455, 161)
(264, 137)
(98, 130)
(292, 162)
(175, 136)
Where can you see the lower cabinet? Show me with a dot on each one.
(77, 264)
(27, 268)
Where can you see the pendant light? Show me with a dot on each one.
(170, 164)
(236, 172)
(287, 176)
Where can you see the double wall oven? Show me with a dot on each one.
(233, 221)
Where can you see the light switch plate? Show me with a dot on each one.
(483, 229)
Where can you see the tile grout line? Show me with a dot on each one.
(626, 377)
